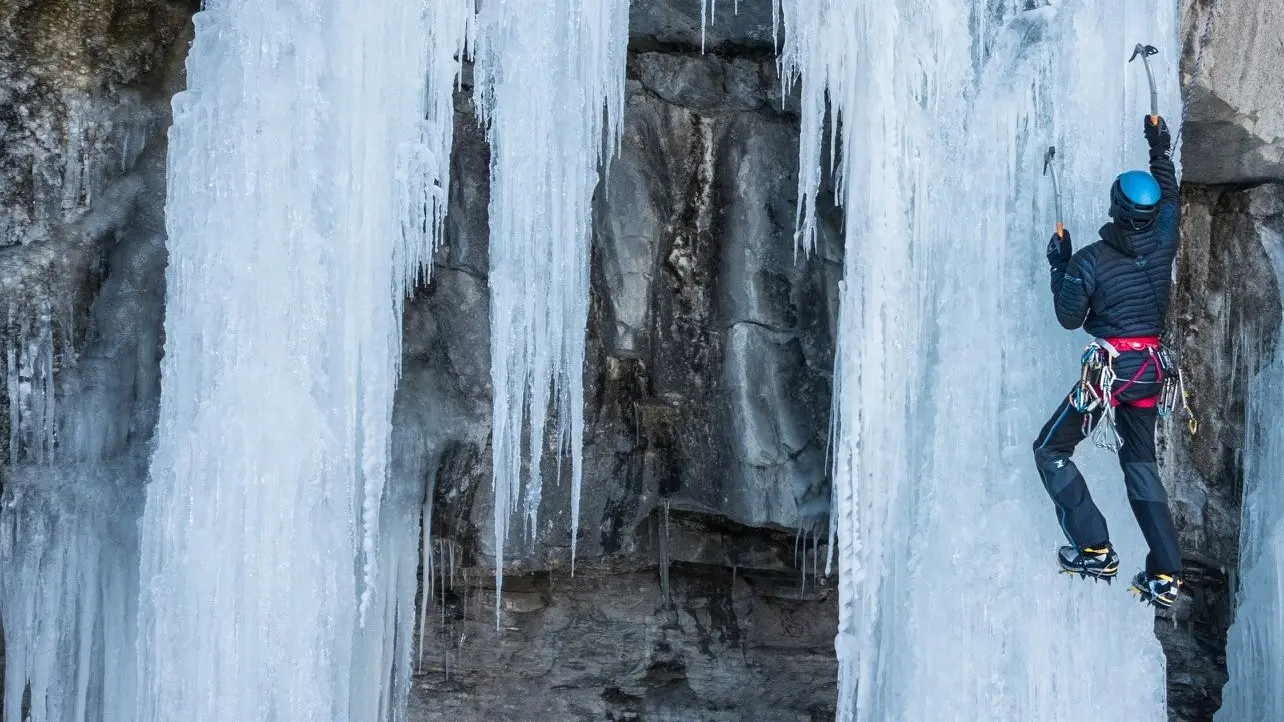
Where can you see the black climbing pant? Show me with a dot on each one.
(1080, 519)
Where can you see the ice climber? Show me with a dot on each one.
(1117, 289)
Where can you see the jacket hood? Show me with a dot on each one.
(1128, 242)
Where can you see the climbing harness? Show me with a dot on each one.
(1194, 74)
(1099, 388)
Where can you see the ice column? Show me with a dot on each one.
(307, 168)
(948, 356)
(68, 586)
(28, 351)
(1255, 643)
(550, 90)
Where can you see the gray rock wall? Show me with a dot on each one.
(1223, 316)
(1235, 129)
(73, 76)
(707, 382)
(84, 109)
(638, 636)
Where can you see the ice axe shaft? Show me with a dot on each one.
(1145, 51)
(1048, 167)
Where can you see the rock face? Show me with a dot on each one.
(733, 26)
(707, 378)
(710, 348)
(74, 117)
(84, 108)
(1225, 313)
(696, 596)
(1235, 130)
(638, 636)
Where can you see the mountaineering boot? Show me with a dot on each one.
(1158, 589)
(1099, 562)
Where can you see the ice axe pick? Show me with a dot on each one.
(1145, 51)
(1048, 167)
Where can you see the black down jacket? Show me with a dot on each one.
(1118, 286)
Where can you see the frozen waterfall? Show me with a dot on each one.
(68, 585)
(306, 187)
(1255, 641)
(550, 90)
(949, 356)
(274, 571)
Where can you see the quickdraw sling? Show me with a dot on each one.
(1174, 390)
(1097, 390)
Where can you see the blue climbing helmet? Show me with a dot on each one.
(1134, 199)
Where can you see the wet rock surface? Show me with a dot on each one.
(733, 26)
(1235, 129)
(709, 347)
(725, 629)
(707, 385)
(74, 111)
(84, 110)
(1223, 318)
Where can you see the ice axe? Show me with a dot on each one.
(1145, 51)
(1056, 187)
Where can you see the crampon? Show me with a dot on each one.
(1159, 590)
(1101, 563)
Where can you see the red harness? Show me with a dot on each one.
(1139, 343)
(1149, 344)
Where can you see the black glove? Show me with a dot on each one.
(1157, 135)
(1059, 250)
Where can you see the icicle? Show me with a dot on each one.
(425, 595)
(544, 72)
(664, 555)
(815, 545)
(708, 9)
(28, 353)
(704, 22)
(420, 171)
(802, 583)
(68, 542)
(445, 632)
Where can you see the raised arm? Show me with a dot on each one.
(1165, 173)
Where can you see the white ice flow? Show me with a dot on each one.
(307, 168)
(68, 588)
(1255, 642)
(550, 90)
(949, 357)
